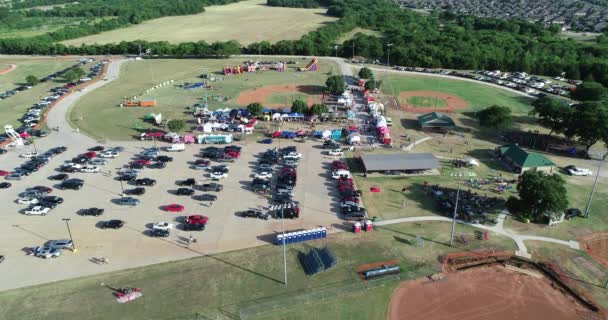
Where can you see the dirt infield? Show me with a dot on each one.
(453, 102)
(10, 68)
(489, 292)
(597, 247)
(262, 94)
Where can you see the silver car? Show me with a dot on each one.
(128, 201)
(15, 176)
(47, 252)
(61, 244)
(98, 162)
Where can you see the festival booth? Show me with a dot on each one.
(189, 138)
(354, 139)
(172, 137)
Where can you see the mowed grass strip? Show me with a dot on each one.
(425, 102)
(479, 96)
(245, 22)
(98, 113)
(220, 285)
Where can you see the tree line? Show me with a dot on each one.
(432, 41)
(294, 3)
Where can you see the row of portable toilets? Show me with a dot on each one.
(301, 236)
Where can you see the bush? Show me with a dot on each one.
(496, 117)
(255, 109)
(32, 80)
(366, 73)
(299, 106)
(176, 125)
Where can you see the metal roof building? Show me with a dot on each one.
(399, 162)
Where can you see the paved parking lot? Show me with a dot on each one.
(131, 246)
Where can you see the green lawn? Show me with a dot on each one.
(249, 281)
(103, 118)
(425, 102)
(35, 26)
(244, 21)
(479, 96)
(13, 108)
(351, 34)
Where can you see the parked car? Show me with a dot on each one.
(27, 200)
(188, 182)
(159, 233)
(572, 213)
(263, 175)
(59, 177)
(212, 187)
(162, 226)
(108, 154)
(127, 177)
(136, 191)
(174, 207)
(61, 244)
(184, 192)
(113, 224)
(38, 211)
(335, 152)
(576, 171)
(52, 199)
(91, 212)
(254, 214)
(193, 226)
(96, 148)
(28, 155)
(202, 162)
(145, 182)
(90, 154)
(5, 185)
(74, 184)
(293, 156)
(164, 159)
(196, 219)
(218, 175)
(264, 167)
(128, 201)
(98, 162)
(4, 173)
(47, 252)
(15, 176)
(136, 165)
(90, 169)
(157, 165)
(206, 197)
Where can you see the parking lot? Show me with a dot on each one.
(132, 245)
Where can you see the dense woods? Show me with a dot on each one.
(434, 41)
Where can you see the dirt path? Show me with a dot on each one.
(482, 293)
(10, 68)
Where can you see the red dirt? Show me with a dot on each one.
(262, 94)
(453, 102)
(597, 247)
(368, 266)
(483, 293)
(10, 68)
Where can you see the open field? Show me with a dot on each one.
(221, 23)
(478, 96)
(351, 34)
(103, 118)
(426, 101)
(35, 26)
(181, 289)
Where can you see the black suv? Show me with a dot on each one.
(193, 226)
(127, 177)
(114, 224)
(135, 191)
(74, 184)
(212, 187)
(91, 212)
(185, 192)
(188, 182)
(160, 233)
(59, 177)
(145, 182)
(164, 159)
(157, 165)
(52, 199)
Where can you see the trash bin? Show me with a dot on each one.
(368, 225)
(357, 227)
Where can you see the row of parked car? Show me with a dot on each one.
(350, 197)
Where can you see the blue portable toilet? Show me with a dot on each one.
(323, 232)
(279, 239)
(316, 233)
(290, 238)
(307, 235)
(300, 236)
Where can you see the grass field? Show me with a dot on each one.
(351, 34)
(426, 102)
(248, 282)
(285, 98)
(35, 26)
(245, 21)
(103, 118)
(479, 96)
(13, 108)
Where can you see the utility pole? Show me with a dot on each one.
(284, 250)
(388, 54)
(599, 167)
(122, 188)
(454, 216)
(353, 50)
(69, 232)
(34, 144)
(336, 50)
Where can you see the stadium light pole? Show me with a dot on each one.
(69, 232)
(284, 250)
(454, 216)
(388, 54)
(599, 167)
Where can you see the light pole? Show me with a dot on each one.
(293, 88)
(34, 144)
(122, 188)
(70, 232)
(599, 167)
(388, 55)
(353, 50)
(454, 216)
(284, 250)
(336, 50)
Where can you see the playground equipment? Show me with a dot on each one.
(195, 85)
(313, 65)
(280, 66)
(233, 70)
(142, 103)
(155, 118)
(11, 133)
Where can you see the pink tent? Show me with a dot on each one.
(189, 139)
(383, 130)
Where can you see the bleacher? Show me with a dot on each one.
(318, 260)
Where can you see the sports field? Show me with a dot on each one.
(426, 101)
(103, 118)
(212, 286)
(245, 21)
(478, 96)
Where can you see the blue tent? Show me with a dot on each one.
(336, 134)
(267, 110)
(317, 134)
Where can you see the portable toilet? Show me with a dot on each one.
(290, 238)
(300, 236)
(323, 232)
(368, 225)
(357, 227)
(279, 239)
(316, 233)
(307, 235)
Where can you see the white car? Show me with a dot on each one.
(108, 154)
(98, 162)
(27, 200)
(285, 192)
(293, 155)
(335, 152)
(128, 172)
(38, 210)
(28, 155)
(263, 175)
(47, 252)
(218, 175)
(90, 169)
(73, 165)
(162, 226)
(576, 171)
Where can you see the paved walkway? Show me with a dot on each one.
(498, 229)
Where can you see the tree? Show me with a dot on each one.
(317, 109)
(335, 84)
(70, 76)
(496, 117)
(32, 80)
(255, 109)
(176, 125)
(589, 91)
(372, 84)
(553, 113)
(366, 73)
(539, 194)
(299, 106)
(590, 124)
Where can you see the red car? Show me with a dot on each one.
(234, 154)
(90, 154)
(4, 173)
(174, 207)
(202, 162)
(196, 219)
(143, 161)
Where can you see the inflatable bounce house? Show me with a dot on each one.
(313, 65)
